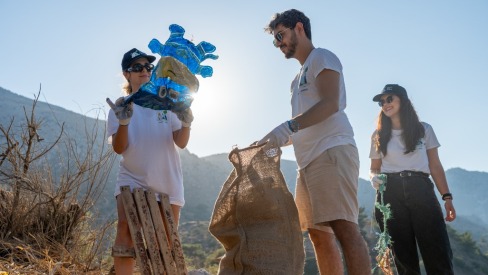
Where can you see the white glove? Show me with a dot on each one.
(279, 137)
(185, 116)
(376, 181)
(122, 111)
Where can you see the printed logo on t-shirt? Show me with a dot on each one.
(162, 116)
(303, 77)
(303, 83)
(420, 144)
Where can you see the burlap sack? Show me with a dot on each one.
(255, 218)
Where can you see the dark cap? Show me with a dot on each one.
(132, 56)
(391, 89)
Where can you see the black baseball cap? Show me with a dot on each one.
(133, 55)
(391, 89)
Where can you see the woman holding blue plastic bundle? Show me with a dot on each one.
(405, 150)
(146, 139)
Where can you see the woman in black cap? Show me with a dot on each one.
(405, 150)
(146, 139)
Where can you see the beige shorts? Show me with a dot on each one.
(326, 189)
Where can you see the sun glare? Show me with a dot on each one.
(212, 98)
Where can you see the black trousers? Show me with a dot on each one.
(417, 218)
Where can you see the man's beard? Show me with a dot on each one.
(291, 47)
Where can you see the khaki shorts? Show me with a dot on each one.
(326, 189)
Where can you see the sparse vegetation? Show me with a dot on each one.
(47, 221)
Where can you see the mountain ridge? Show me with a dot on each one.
(214, 169)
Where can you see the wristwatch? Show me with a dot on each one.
(447, 196)
(293, 125)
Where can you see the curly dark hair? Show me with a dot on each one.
(412, 132)
(289, 19)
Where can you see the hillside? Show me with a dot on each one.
(204, 176)
(52, 117)
(78, 130)
(203, 179)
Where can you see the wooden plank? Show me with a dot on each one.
(173, 234)
(164, 245)
(148, 230)
(135, 230)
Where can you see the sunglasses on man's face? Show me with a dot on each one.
(388, 99)
(278, 38)
(137, 68)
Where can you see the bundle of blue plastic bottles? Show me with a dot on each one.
(173, 82)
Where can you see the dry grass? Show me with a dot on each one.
(23, 259)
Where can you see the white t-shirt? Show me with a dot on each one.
(336, 130)
(395, 159)
(151, 161)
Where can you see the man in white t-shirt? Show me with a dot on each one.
(326, 153)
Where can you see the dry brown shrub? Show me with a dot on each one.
(48, 189)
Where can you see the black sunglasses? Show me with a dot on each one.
(389, 99)
(279, 37)
(137, 68)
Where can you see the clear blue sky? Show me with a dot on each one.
(436, 49)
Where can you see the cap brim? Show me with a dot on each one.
(377, 97)
(151, 58)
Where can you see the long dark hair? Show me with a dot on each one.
(412, 132)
